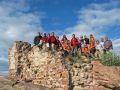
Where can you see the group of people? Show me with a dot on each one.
(87, 46)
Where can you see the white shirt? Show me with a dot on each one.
(99, 47)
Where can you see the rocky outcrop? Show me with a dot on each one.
(53, 71)
(108, 77)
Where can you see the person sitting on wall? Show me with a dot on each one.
(67, 48)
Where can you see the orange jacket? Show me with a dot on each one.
(85, 50)
(67, 47)
(92, 42)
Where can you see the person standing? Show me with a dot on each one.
(108, 46)
(74, 44)
(102, 45)
(64, 40)
(86, 39)
(81, 44)
(86, 46)
(98, 52)
(37, 39)
(92, 45)
(48, 45)
(53, 42)
(44, 40)
(58, 43)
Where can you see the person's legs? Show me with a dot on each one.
(92, 52)
(97, 54)
(53, 47)
(101, 52)
(82, 51)
(50, 46)
(79, 52)
(75, 51)
(86, 51)
(44, 46)
(47, 46)
(65, 53)
(40, 45)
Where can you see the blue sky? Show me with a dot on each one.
(21, 19)
(60, 14)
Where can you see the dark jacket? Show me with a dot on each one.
(86, 40)
(80, 43)
(37, 40)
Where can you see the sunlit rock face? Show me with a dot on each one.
(53, 71)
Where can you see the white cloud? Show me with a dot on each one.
(117, 42)
(97, 19)
(4, 72)
(3, 66)
(16, 23)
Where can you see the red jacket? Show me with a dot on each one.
(74, 41)
(48, 40)
(53, 39)
(45, 39)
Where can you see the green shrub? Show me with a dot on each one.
(110, 59)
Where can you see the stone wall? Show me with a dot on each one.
(53, 71)
(17, 56)
(38, 66)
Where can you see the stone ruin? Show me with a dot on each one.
(53, 71)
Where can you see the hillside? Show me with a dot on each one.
(31, 64)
